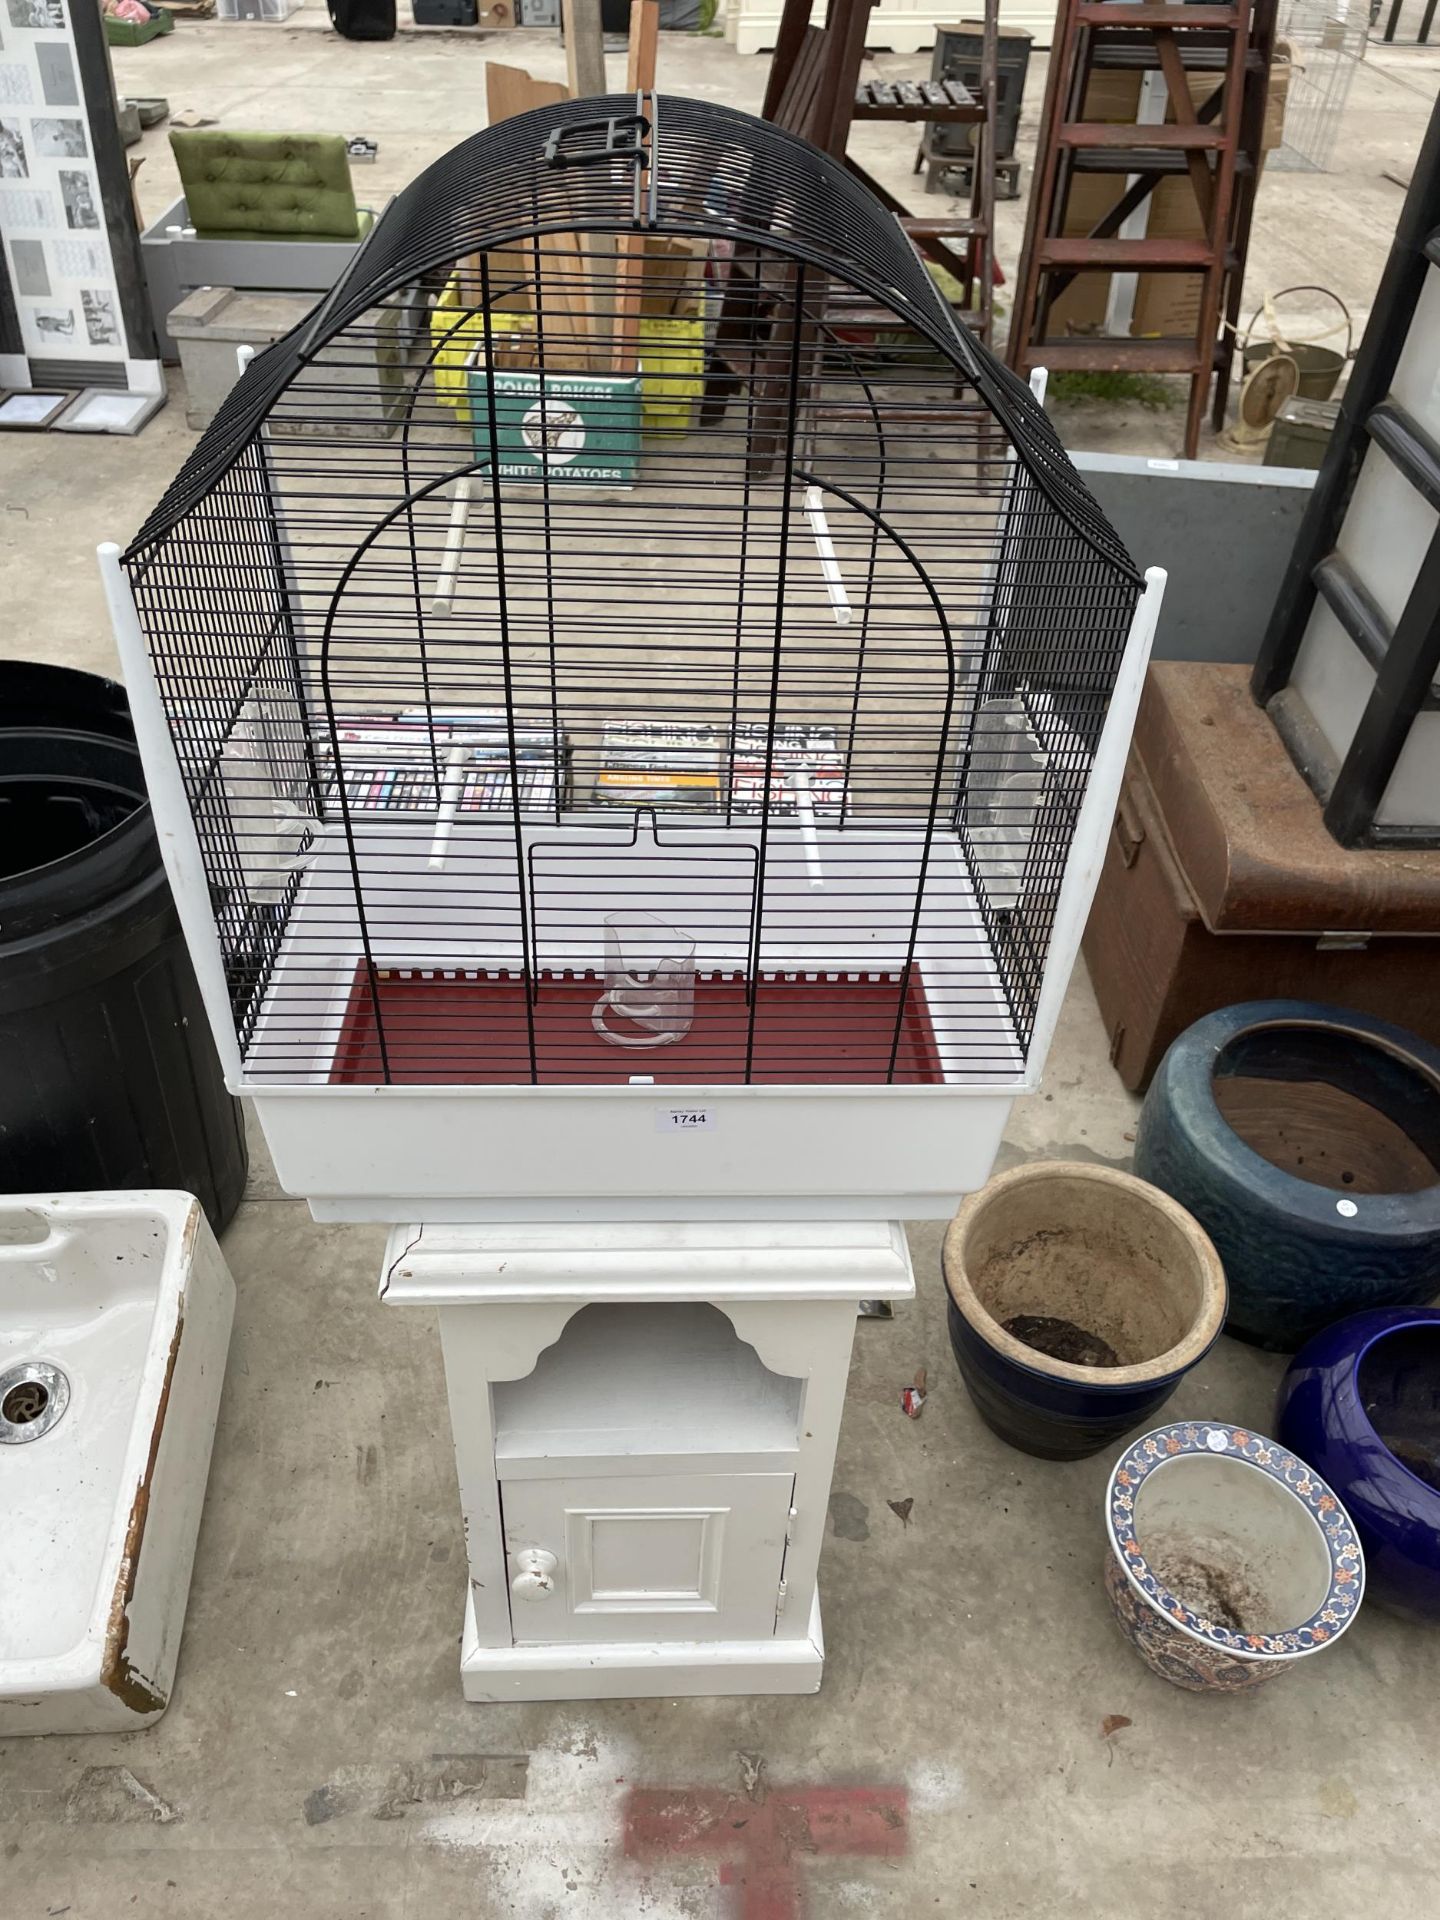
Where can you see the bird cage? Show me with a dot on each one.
(633, 695)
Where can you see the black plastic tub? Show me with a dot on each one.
(108, 1074)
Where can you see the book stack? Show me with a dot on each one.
(699, 768)
(811, 751)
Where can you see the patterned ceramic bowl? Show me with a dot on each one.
(1230, 1559)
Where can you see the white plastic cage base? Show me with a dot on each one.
(465, 917)
(447, 1155)
(618, 1151)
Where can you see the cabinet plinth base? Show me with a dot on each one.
(640, 1670)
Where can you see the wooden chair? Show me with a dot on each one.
(815, 90)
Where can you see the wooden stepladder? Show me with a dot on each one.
(1216, 144)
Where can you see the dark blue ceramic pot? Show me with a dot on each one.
(1361, 1403)
(1305, 1139)
(1085, 1261)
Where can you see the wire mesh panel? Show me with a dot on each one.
(631, 632)
(1326, 40)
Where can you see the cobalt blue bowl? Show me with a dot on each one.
(1361, 1404)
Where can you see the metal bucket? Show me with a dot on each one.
(1320, 367)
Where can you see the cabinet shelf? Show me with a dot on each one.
(647, 1382)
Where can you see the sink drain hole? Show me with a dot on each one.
(25, 1403)
(32, 1399)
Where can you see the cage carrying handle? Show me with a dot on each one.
(632, 137)
(626, 138)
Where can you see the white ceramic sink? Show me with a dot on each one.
(115, 1313)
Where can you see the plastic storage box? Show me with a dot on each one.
(257, 9)
(132, 33)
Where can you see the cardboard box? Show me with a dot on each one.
(1167, 305)
(1081, 307)
(672, 354)
(1202, 85)
(1113, 96)
(1274, 134)
(673, 276)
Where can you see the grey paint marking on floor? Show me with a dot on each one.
(318, 1760)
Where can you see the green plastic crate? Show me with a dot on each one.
(128, 33)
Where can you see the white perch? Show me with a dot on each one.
(450, 792)
(805, 814)
(444, 600)
(825, 547)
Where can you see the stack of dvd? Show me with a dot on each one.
(392, 761)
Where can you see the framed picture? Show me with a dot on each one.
(59, 139)
(25, 409)
(102, 410)
(40, 16)
(79, 198)
(13, 164)
(101, 324)
(46, 328)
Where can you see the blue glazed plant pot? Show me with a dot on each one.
(1305, 1139)
(1078, 1299)
(1230, 1558)
(1362, 1402)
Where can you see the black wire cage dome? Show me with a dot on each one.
(632, 624)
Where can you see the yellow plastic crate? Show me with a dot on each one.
(672, 371)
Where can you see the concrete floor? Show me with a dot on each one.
(318, 1759)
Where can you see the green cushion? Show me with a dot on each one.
(267, 186)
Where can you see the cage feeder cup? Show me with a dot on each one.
(649, 982)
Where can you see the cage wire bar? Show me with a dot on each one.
(506, 609)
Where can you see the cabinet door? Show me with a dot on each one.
(690, 1556)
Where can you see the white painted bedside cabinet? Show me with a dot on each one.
(645, 1424)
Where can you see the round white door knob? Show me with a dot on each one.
(534, 1574)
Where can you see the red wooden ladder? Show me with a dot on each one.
(1205, 143)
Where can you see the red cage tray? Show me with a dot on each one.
(469, 1028)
